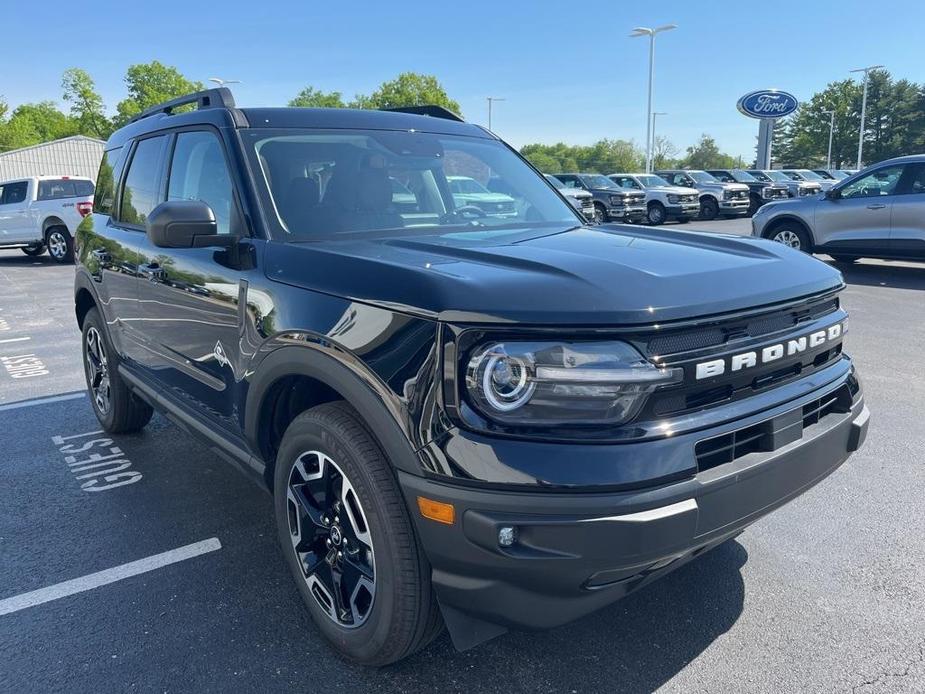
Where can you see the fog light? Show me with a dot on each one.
(507, 536)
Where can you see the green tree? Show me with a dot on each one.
(604, 156)
(408, 89)
(705, 154)
(311, 97)
(30, 124)
(87, 110)
(149, 84)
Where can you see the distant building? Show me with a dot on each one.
(69, 156)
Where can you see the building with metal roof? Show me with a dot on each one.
(69, 156)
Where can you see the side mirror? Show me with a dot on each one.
(185, 224)
(833, 194)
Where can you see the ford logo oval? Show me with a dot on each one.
(767, 103)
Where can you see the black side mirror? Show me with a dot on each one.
(185, 224)
(833, 194)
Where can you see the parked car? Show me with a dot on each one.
(877, 213)
(663, 200)
(716, 198)
(795, 188)
(42, 212)
(832, 174)
(467, 419)
(580, 199)
(469, 192)
(809, 177)
(611, 202)
(759, 192)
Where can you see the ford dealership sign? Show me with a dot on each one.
(768, 103)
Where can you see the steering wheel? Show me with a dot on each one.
(465, 210)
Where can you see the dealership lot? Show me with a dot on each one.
(824, 595)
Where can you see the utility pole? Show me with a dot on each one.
(828, 159)
(492, 99)
(651, 33)
(866, 71)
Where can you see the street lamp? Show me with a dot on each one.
(654, 115)
(492, 99)
(646, 31)
(221, 83)
(828, 159)
(866, 71)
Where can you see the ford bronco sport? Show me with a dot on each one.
(469, 419)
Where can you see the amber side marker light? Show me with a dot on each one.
(436, 510)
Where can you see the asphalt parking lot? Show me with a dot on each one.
(825, 595)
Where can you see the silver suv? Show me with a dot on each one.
(877, 213)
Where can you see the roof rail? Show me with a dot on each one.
(428, 110)
(220, 97)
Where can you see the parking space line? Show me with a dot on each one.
(102, 578)
(41, 401)
(14, 339)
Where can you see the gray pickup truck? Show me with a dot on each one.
(611, 202)
(717, 199)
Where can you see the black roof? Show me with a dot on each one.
(224, 114)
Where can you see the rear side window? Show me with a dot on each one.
(199, 172)
(108, 178)
(12, 193)
(64, 188)
(142, 190)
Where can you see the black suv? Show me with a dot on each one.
(759, 192)
(484, 421)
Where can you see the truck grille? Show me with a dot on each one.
(771, 434)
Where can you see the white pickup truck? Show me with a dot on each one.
(43, 212)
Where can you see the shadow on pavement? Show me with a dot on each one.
(636, 645)
(884, 274)
(16, 258)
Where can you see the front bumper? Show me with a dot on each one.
(576, 553)
(733, 207)
(631, 213)
(686, 209)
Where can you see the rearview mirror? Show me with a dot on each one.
(185, 224)
(832, 194)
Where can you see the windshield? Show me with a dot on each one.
(777, 176)
(599, 181)
(325, 183)
(652, 181)
(839, 175)
(743, 176)
(702, 177)
(810, 175)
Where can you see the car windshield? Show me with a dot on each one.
(777, 176)
(702, 177)
(810, 175)
(599, 181)
(320, 184)
(838, 175)
(825, 174)
(743, 176)
(652, 181)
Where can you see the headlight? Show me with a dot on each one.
(555, 383)
(617, 200)
(674, 199)
(727, 195)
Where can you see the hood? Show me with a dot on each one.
(575, 193)
(673, 190)
(606, 275)
(733, 186)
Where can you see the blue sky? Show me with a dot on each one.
(567, 70)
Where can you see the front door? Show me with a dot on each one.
(190, 297)
(859, 220)
(907, 234)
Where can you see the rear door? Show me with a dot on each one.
(858, 222)
(907, 231)
(16, 224)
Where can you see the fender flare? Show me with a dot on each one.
(378, 408)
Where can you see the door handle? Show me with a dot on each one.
(876, 206)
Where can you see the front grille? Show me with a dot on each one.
(771, 434)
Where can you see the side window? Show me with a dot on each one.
(568, 181)
(876, 183)
(107, 180)
(723, 176)
(916, 185)
(141, 192)
(199, 172)
(13, 193)
(58, 188)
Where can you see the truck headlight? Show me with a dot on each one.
(618, 200)
(561, 383)
(674, 199)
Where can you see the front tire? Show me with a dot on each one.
(656, 214)
(60, 244)
(35, 250)
(117, 408)
(600, 214)
(349, 541)
(793, 236)
(709, 209)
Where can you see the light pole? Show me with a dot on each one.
(646, 31)
(654, 115)
(492, 99)
(866, 71)
(221, 83)
(828, 159)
